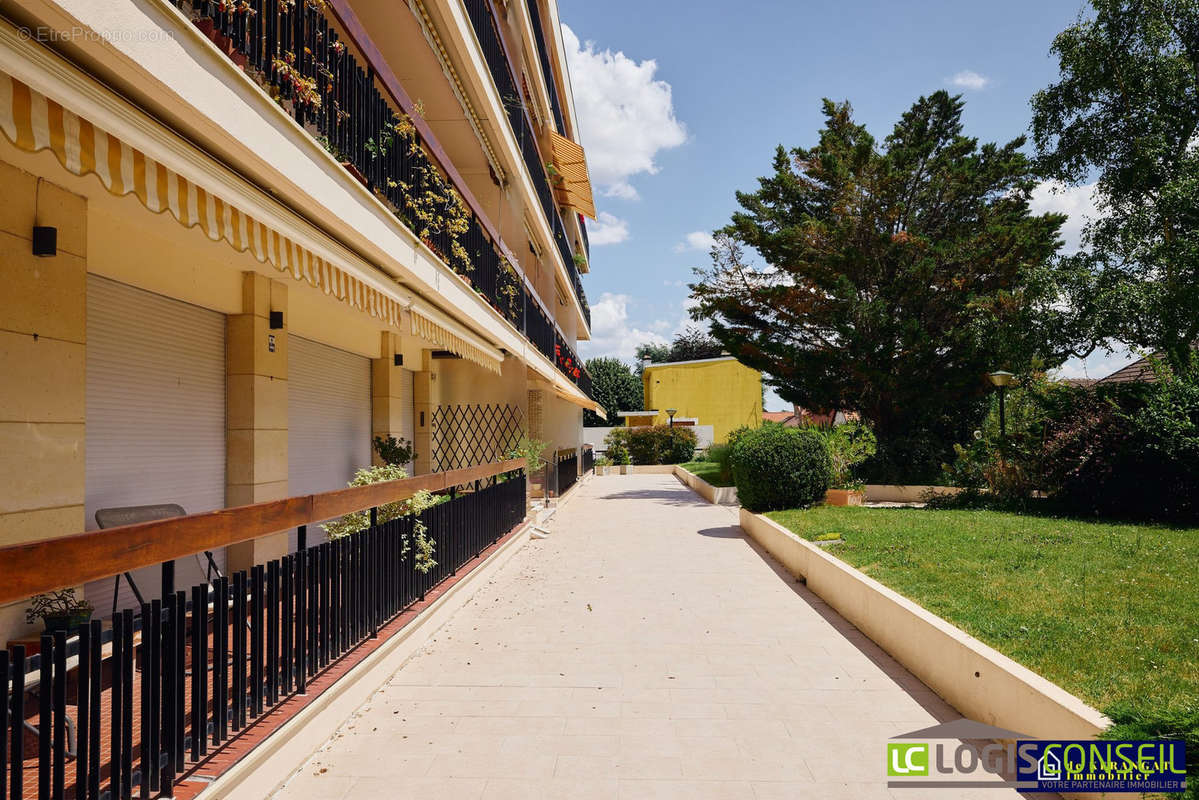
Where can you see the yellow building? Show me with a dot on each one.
(721, 392)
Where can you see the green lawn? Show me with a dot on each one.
(707, 470)
(1110, 612)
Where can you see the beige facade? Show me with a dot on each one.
(276, 235)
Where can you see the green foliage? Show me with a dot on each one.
(617, 444)
(1125, 450)
(530, 450)
(848, 446)
(708, 471)
(393, 451)
(897, 274)
(1131, 720)
(615, 388)
(61, 604)
(661, 444)
(721, 455)
(775, 467)
(1125, 111)
(692, 344)
(360, 520)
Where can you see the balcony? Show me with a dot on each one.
(496, 54)
(321, 75)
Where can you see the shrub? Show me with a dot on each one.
(393, 451)
(661, 444)
(719, 454)
(775, 468)
(617, 444)
(360, 520)
(848, 446)
(530, 450)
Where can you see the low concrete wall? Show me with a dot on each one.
(717, 495)
(980, 682)
(910, 493)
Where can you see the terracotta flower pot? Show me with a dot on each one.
(844, 497)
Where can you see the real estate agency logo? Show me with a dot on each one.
(947, 757)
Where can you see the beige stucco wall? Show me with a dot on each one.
(43, 337)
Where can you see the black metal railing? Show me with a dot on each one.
(487, 31)
(192, 669)
(547, 73)
(294, 49)
(588, 459)
(568, 471)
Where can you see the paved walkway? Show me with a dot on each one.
(646, 649)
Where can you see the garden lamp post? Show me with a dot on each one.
(671, 412)
(1002, 379)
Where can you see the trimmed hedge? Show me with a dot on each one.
(661, 444)
(776, 468)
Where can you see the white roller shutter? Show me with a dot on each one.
(329, 418)
(155, 416)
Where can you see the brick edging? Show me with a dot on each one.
(264, 755)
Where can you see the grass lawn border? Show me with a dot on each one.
(973, 677)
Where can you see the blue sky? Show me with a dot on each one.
(682, 103)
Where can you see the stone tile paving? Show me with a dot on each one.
(646, 649)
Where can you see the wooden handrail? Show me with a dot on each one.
(43, 566)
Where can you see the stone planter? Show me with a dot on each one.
(844, 497)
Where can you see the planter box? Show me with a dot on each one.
(844, 497)
(905, 493)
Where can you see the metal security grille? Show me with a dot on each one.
(464, 435)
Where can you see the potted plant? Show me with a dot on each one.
(848, 445)
(60, 611)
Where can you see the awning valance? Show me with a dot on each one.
(573, 186)
(426, 326)
(34, 122)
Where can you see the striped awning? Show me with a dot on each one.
(574, 188)
(34, 122)
(428, 328)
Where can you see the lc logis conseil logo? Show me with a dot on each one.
(943, 757)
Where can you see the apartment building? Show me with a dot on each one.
(241, 238)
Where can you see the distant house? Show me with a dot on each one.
(721, 392)
(799, 416)
(1139, 371)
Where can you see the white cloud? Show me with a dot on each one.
(625, 115)
(1076, 201)
(610, 229)
(611, 334)
(696, 240)
(969, 79)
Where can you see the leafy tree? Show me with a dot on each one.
(896, 275)
(694, 344)
(1127, 110)
(615, 388)
(656, 353)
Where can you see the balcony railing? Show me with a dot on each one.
(293, 49)
(487, 31)
(141, 701)
(547, 74)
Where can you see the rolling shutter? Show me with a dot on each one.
(329, 419)
(155, 416)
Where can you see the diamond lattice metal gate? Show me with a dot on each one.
(465, 435)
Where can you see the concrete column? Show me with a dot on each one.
(43, 310)
(386, 395)
(425, 400)
(256, 411)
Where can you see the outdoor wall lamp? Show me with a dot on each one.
(399, 359)
(1002, 379)
(671, 412)
(276, 320)
(45, 241)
